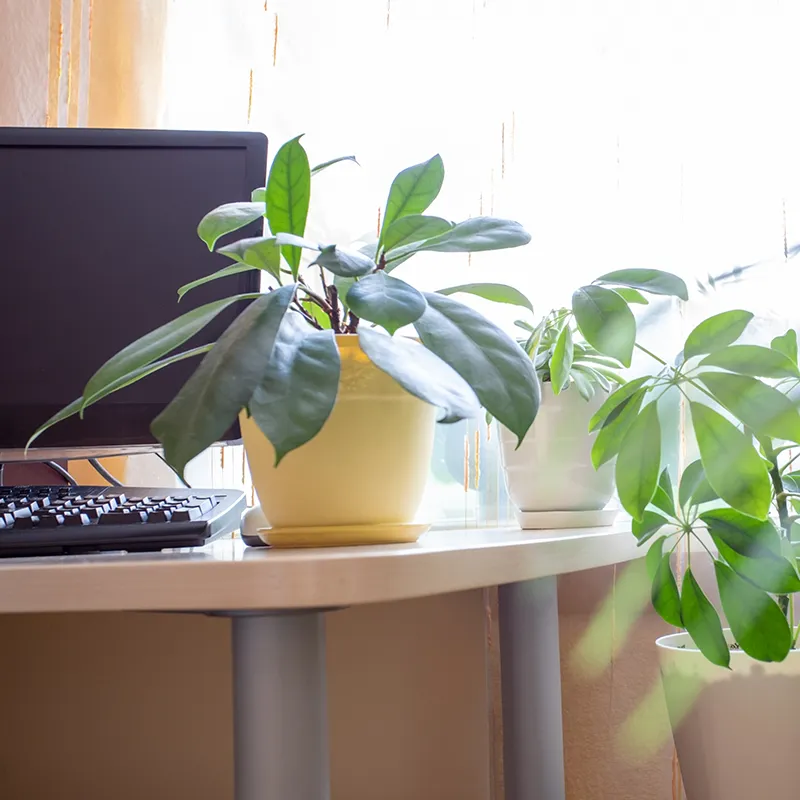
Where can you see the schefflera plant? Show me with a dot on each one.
(279, 359)
(741, 494)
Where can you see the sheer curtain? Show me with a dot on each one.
(622, 133)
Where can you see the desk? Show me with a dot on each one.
(276, 600)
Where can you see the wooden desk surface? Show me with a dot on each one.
(227, 575)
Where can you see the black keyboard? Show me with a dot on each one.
(55, 520)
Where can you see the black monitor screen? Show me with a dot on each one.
(98, 232)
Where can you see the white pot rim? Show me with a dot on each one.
(682, 643)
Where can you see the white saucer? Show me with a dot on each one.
(539, 520)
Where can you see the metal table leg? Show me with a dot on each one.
(533, 741)
(279, 706)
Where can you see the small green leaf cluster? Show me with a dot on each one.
(279, 359)
(734, 502)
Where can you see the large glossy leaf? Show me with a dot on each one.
(412, 191)
(752, 548)
(764, 409)
(650, 280)
(471, 236)
(259, 251)
(492, 363)
(694, 486)
(386, 301)
(751, 359)
(561, 362)
(716, 332)
(225, 272)
(298, 391)
(756, 621)
(345, 263)
(288, 196)
(733, 467)
(224, 382)
(414, 228)
(786, 344)
(650, 523)
(639, 462)
(158, 343)
(421, 373)
(76, 406)
(227, 218)
(665, 493)
(583, 383)
(655, 554)
(609, 437)
(615, 399)
(325, 164)
(496, 292)
(605, 321)
(701, 621)
(664, 593)
(631, 295)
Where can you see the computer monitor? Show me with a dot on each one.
(97, 232)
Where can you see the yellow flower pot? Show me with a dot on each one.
(361, 479)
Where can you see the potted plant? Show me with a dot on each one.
(558, 478)
(336, 408)
(732, 692)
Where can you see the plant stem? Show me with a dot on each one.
(352, 326)
(652, 355)
(306, 315)
(783, 515)
(336, 322)
(789, 462)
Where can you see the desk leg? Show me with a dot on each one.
(533, 740)
(279, 707)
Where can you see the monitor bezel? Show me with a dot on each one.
(255, 146)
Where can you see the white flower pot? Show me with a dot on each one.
(737, 731)
(552, 470)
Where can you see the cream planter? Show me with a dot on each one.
(737, 731)
(361, 479)
(552, 470)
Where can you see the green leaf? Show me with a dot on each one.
(653, 559)
(320, 317)
(386, 301)
(343, 286)
(290, 240)
(639, 462)
(650, 523)
(764, 409)
(412, 191)
(786, 344)
(260, 196)
(665, 486)
(631, 295)
(227, 218)
(650, 280)
(594, 377)
(259, 251)
(756, 621)
(716, 332)
(605, 321)
(583, 384)
(496, 292)
(733, 468)
(489, 360)
(224, 382)
(76, 406)
(750, 359)
(609, 437)
(702, 622)
(326, 164)
(158, 343)
(421, 373)
(414, 228)
(298, 391)
(471, 236)
(561, 362)
(695, 486)
(753, 548)
(288, 195)
(664, 593)
(231, 269)
(346, 263)
(614, 400)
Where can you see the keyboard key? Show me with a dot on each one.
(186, 514)
(122, 518)
(51, 520)
(75, 520)
(26, 523)
(159, 516)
